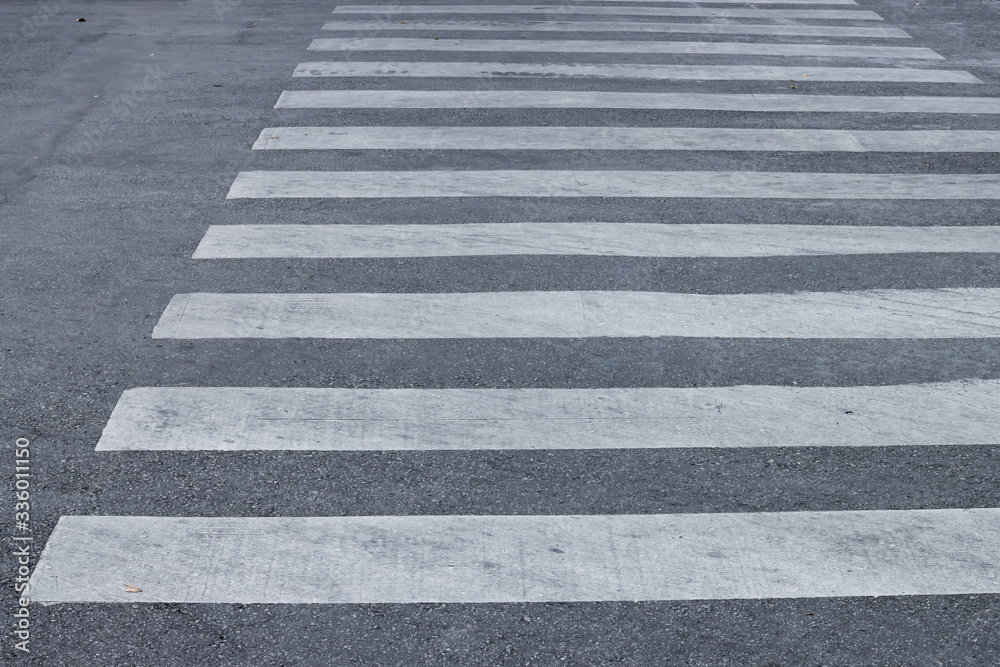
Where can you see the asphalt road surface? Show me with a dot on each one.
(595, 333)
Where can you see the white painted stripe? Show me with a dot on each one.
(469, 559)
(585, 238)
(243, 419)
(569, 10)
(948, 313)
(632, 71)
(552, 183)
(625, 138)
(622, 26)
(736, 2)
(544, 99)
(933, 141)
(631, 47)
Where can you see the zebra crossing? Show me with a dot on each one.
(483, 558)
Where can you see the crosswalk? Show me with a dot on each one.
(610, 57)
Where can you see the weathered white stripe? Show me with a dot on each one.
(241, 419)
(569, 10)
(631, 71)
(552, 183)
(948, 313)
(623, 26)
(632, 47)
(737, 2)
(733, 2)
(625, 138)
(585, 238)
(412, 559)
(544, 99)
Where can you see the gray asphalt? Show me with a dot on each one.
(103, 200)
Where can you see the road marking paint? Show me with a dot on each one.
(245, 419)
(585, 238)
(623, 26)
(630, 71)
(663, 184)
(631, 47)
(470, 559)
(543, 99)
(738, 2)
(624, 138)
(569, 10)
(946, 313)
